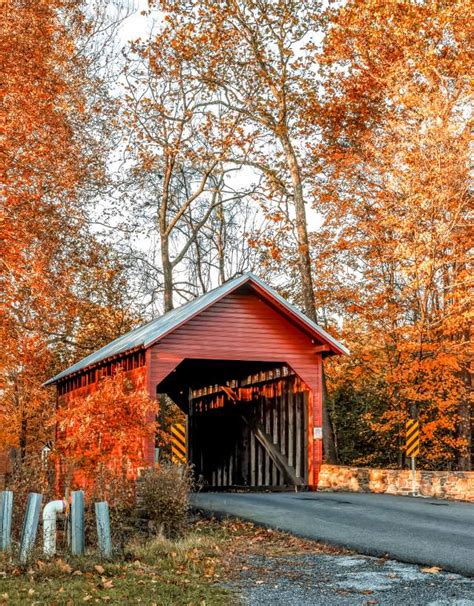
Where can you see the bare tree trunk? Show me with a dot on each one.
(22, 440)
(466, 416)
(465, 432)
(166, 264)
(167, 275)
(199, 265)
(221, 244)
(304, 259)
(304, 262)
(329, 442)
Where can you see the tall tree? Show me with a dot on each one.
(397, 136)
(179, 147)
(257, 57)
(47, 256)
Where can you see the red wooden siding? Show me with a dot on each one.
(83, 384)
(85, 381)
(239, 327)
(244, 327)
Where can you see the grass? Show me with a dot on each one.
(156, 571)
(188, 571)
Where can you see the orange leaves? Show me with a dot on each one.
(108, 427)
(53, 299)
(399, 214)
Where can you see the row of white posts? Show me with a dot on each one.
(75, 526)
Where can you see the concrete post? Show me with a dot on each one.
(77, 523)
(30, 525)
(6, 511)
(103, 529)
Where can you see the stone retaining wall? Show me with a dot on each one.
(457, 485)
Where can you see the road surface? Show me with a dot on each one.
(430, 532)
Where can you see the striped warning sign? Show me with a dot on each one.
(412, 438)
(178, 443)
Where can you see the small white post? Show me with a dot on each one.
(413, 477)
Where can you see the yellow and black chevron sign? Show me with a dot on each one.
(178, 443)
(412, 438)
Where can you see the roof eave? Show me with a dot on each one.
(57, 378)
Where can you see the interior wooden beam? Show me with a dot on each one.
(274, 453)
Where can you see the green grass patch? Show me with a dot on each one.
(156, 571)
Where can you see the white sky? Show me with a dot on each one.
(137, 25)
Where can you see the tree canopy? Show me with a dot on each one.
(325, 146)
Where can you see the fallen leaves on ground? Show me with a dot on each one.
(431, 570)
(106, 583)
(192, 566)
(64, 566)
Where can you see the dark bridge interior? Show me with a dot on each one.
(246, 422)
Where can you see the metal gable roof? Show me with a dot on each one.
(144, 336)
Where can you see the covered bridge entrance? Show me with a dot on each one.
(245, 367)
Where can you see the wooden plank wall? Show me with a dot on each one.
(242, 327)
(225, 450)
(85, 382)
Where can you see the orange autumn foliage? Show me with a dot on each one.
(60, 288)
(107, 429)
(39, 170)
(396, 148)
(369, 120)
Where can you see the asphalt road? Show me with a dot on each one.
(430, 532)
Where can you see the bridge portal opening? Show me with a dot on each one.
(246, 422)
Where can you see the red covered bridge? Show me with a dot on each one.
(245, 367)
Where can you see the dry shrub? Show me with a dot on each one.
(164, 498)
(120, 494)
(31, 474)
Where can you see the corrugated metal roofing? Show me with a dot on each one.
(150, 333)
